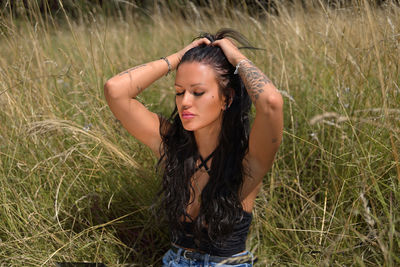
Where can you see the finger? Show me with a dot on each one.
(224, 44)
(217, 42)
(203, 41)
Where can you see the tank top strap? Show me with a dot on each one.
(204, 161)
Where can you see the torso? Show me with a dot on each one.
(250, 189)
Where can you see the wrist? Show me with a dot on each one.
(237, 60)
(174, 59)
(168, 63)
(239, 64)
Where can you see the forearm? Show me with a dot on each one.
(262, 92)
(128, 84)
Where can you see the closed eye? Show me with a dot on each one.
(198, 94)
(180, 93)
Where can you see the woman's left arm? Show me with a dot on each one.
(266, 133)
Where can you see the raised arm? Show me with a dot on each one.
(121, 90)
(266, 133)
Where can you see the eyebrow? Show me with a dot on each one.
(192, 85)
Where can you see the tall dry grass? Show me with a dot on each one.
(74, 186)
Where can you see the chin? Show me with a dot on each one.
(188, 128)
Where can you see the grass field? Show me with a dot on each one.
(74, 186)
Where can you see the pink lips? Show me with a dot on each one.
(187, 115)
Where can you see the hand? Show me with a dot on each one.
(193, 44)
(230, 50)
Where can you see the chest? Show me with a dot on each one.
(249, 190)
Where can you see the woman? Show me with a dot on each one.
(213, 164)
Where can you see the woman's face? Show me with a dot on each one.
(198, 99)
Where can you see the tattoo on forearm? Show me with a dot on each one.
(253, 79)
(131, 69)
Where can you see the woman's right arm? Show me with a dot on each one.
(121, 90)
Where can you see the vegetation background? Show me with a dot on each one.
(74, 186)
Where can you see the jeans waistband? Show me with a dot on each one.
(199, 256)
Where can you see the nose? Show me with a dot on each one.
(186, 100)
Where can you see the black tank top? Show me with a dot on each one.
(232, 245)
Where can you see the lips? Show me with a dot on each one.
(187, 115)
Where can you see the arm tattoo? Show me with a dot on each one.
(253, 79)
(131, 69)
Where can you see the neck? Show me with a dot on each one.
(207, 139)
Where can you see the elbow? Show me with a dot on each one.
(109, 90)
(273, 103)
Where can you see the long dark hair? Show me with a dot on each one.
(220, 200)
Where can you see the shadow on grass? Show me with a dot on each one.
(129, 214)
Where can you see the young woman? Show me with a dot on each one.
(213, 163)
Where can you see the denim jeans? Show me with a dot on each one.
(172, 259)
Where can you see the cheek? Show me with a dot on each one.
(212, 103)
(177, 101)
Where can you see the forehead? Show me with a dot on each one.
(190, 73)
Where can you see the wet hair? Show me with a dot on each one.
(220, 200)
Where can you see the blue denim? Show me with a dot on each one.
(172, 259)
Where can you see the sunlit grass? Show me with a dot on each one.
(74, 186)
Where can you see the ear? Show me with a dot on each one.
(231, 96)
(228, 99)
